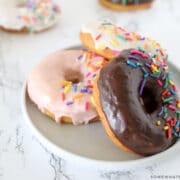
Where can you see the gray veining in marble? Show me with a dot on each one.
(19, 141)
(116, 175)
(56, 163)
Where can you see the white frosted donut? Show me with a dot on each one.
(28, 15)
(62, 83)
(106, 34)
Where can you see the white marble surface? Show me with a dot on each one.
(21, 155)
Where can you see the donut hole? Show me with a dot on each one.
(73, 75)
(149, 101)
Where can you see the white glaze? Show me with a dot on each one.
(108, 36)
(12, 13)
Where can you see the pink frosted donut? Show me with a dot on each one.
(61, 85)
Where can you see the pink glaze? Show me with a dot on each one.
(44, 89)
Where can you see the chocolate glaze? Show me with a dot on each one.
(130, 2)
(132, 118)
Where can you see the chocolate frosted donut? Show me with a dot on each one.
(129, 2)
(126, 4)
(137, 102)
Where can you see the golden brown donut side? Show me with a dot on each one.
(105, 124)
(66, 120)
(88, 42)
(23, 30)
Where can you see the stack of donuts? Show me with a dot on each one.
(121, 78)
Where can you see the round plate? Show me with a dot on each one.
(87, 144)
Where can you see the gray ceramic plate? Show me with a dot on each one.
(87, 144)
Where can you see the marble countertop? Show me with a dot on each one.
(21, 155)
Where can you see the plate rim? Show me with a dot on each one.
(101, 164)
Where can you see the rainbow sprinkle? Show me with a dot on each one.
(98, 37)
(86, 106)
(158, 123)
(169, 114)
(68, 103)
(62, 96)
